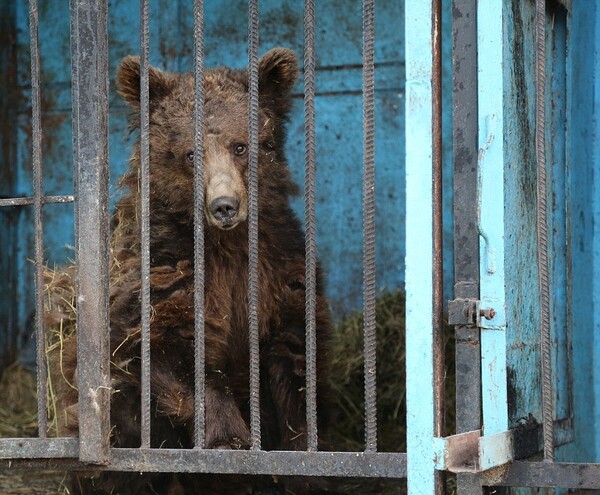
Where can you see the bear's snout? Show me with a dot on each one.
(224, 209)
(226, 200)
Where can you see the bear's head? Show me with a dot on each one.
(225, 130)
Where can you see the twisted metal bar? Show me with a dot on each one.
(36, 139)
(542, 230)
(253, 283)
(370, 341)
(310, 224)
(200, 385)
(145, 227)
(24, 201)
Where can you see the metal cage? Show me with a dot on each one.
(500, 419)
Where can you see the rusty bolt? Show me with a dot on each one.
(488, 313)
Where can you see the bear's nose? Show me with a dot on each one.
(225, 208)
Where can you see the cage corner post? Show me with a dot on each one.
(89, 51)
(419, 249)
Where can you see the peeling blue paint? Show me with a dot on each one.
(583, 193)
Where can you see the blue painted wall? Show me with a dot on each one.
(520, 206)
(573, 161)
(338, 119)
(339, 127)
(583, 164)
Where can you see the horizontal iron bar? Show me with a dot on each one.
(546, 474)
(29, 448)
(358, 464)
(354, 464)
(29, 200)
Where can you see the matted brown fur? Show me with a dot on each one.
(281, 276)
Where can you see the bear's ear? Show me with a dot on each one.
(128, 82)
(277, 73)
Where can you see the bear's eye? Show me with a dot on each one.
(239, 149)
(190, 157)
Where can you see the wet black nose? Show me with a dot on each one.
(224, 208)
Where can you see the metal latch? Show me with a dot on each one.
(467, 312)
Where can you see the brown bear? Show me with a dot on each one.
(281, 275)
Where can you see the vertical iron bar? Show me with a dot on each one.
(437, 235)
(145, 226)
(89, 53)
(36, 140)
(466, 235)
(370, 341)
(75, 107)
(420, 417)
(438, 288)
(199, 225)
(309, 205)
(542, 230)
(253, 287)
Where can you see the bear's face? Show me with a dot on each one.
(225, 153)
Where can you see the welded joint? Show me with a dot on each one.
(471, 453)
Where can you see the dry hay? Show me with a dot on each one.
(347, 381)
(347, 378)
(18, 419)
(22, 482)
(18, 390)
(60, 323)
(18, 394)
(18, 403)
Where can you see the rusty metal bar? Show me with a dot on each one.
(145, 220)
(542, 230)
(31, 200)
(89, 51)
(357, 465)
(437, 236)
(547, 474)
(253, 283)
(438, 251)
(200, 385)
(36, 140)
(369, 283)
(28, 448)
(310, 224)
(466, 235)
